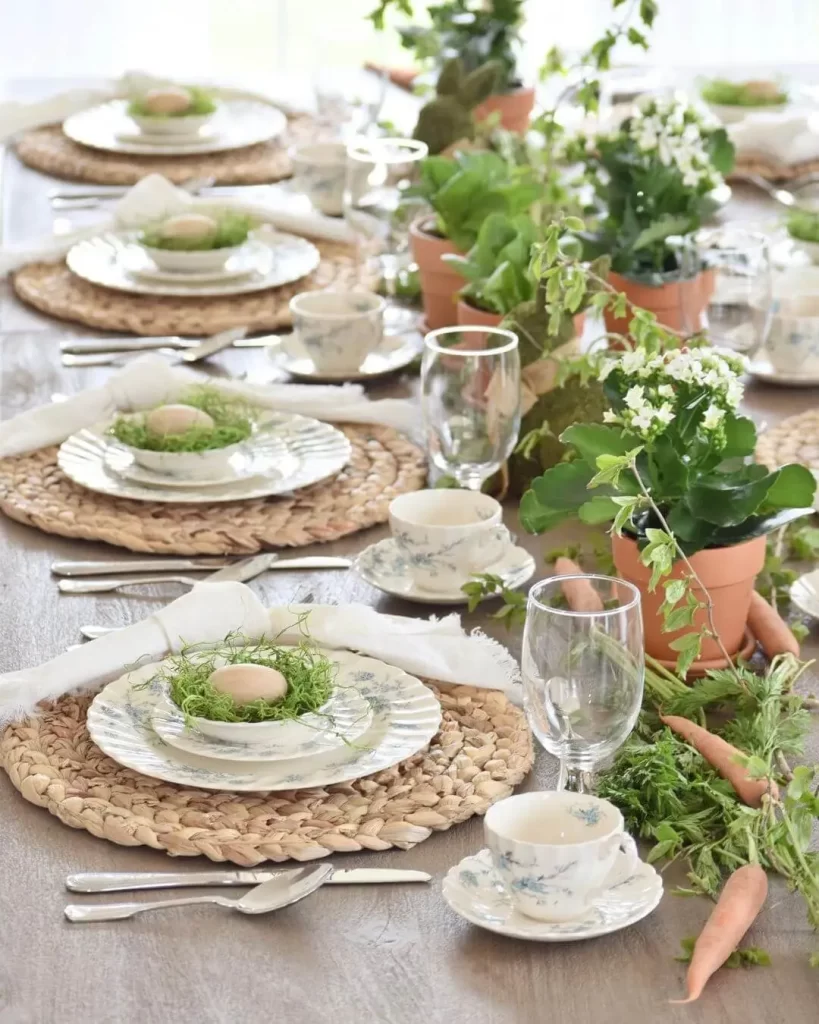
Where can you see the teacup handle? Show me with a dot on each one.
(625, 862)
(492, 546)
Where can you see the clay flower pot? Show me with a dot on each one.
(439, 284)
(515, 109)
(469, 315)
(677, 305)
(727, 573)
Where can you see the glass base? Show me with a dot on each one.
(574, 780)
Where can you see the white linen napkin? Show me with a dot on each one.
(786, 138)
(154, 198)
(150, 380)
(437, 649)
(18, 117)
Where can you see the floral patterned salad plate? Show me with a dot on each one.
(348, 716)
(405, 717)
(473, 891)
(383, 566)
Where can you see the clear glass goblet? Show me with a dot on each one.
(349, 100)
(737, 279)
(470, 400)
(583, 673)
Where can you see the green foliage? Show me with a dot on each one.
(748, 956)
(465, 189)
(803, 225)
(723, 92)
(233, 423)
(513, 610)
(202, 103)
(447, 117)
(231, 229)
(475, 30)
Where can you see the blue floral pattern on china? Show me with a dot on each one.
(405, 717)
(590, 815)
(474, 891)
(339, 343)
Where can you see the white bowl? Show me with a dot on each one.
(182, 126)
(734, 113)
(292, 732)
(197, 261)
(203, 466)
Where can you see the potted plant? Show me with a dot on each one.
(477, 31)
(462, 191)
(653, 180)
(671, 469)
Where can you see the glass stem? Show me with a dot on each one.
(573, 780)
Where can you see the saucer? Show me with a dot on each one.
(473, 891)
(394, 353)
(763, 370)
(383, 566)
(805, 593)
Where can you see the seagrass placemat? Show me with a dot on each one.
(795, 439)
(384, 464)
(770, 169)
(49, 150)
(53, 289)
(483, 750)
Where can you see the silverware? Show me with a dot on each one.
(118, 881)
(190, 351)
(242, 571)
(787, 197)
(281, 891)
(82, 198)
(70, 568)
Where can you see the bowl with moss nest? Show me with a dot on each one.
(172, 110)
(803, 227)
(260, 693)
(732, 101)
(194, 438)
(196, 242)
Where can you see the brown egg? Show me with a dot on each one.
(762, 90)
(246, 683)
(176, 419)
(189, 225)
(168, 99)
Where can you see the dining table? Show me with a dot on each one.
(388, 954)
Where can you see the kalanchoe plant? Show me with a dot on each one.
(465, 189)
(652, 179)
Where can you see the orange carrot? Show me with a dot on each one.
(580, 594)
(722, 756)
(404, 78)
(770, 629)
(739, 903)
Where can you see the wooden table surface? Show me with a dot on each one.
(391, 955)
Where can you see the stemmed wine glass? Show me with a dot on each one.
(738, 283)
(377, 203)
(470, 399)
(583, 673)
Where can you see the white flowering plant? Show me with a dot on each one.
(653, 178)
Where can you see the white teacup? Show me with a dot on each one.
(446, 536)
(555, 853)
(337, 330)
(793, 336)
(319, 169)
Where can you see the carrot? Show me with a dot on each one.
(404, 78)
(770, 628)
(722, 756)
(580, 594)
(739, 903)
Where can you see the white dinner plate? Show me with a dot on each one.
(268, 259)
(236, 123)
(298, 451)
(405, 717)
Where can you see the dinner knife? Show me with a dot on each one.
(241, 571)
(70, 568)
(186, 346)
(117, 881)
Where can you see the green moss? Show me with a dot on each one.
(202, 103)
(231, 229)
(803, 225)
(725, 93)
(233, 423)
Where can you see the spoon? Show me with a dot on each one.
(279, 892)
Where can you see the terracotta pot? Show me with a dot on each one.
(469, 315)
(515, 109)
(579, 324)
(728, 574)
(678, 304)
(439, 284)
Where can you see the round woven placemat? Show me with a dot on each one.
(53, 289)
(795, 439)
(481, 752)
(383, 464)
(48, 150)
(770, 169)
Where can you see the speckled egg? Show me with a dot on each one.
(246, 683)
(168, 99)
(176, 419)
(189, 225)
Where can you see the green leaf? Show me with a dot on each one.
(611, 467)
(658, 555)
(675, 592)
(595, 439)
(555, 496)
(730, 499)
(689, 646)
(598, 510)
(660, 850)
(660, 230)
(793, 487)
(740, 436)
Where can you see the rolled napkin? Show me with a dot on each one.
(150, 380)
(153, 198)
(782, 138)
(210, 611)
(16, 117)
